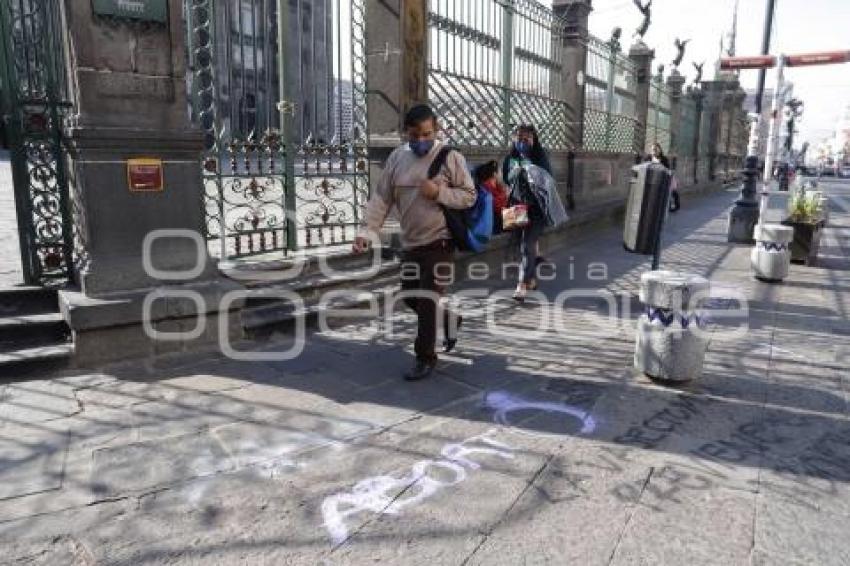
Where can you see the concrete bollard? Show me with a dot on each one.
(671, 335)
(771, 258)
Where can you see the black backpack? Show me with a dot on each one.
(456, 220)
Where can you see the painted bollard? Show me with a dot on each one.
(771, 258)
(671, 335)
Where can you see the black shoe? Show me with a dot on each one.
(422, 370)
(450, 343)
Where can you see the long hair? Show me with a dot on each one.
(537, 151)
(662, 157)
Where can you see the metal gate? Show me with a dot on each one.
(286, 162)
(34, 101)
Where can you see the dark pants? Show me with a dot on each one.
(420, 273)
(675, 201)
(529, 237)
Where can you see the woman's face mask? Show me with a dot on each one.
(522, 147)
(421, 148)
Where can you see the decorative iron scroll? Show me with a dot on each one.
(35, 102)
(302, 183)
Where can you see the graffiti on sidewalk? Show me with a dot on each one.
(503, 403)
(654, 430)
(390, 495)
(804, 459)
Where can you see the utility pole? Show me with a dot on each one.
(779, 94)
(745, 214)
(765, 50)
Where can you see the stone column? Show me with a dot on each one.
(129, 83)
(699, 98)
(744, 216)
(675, 82)
(397, 51)
(713, 110)
(573, 47)
(642, 57)
(742, 133)
(731, 88)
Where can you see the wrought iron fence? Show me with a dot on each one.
(285, 122)
(35, 102)
(658, 120)
(494, 64)
(610, 113)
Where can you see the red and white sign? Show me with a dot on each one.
(769, 61)
(760, 62)
(824, 58)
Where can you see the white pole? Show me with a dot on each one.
(775, 120)
(755, 126)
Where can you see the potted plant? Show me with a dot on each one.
(806, 217)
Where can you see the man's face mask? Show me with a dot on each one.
(421, 148)
(421, 137)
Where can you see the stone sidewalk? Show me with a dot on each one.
(537, 444)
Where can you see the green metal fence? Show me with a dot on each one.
(34, 102)
(610, 117)
(685, 148)
(494, 64)
(286, 164)
(658, 119)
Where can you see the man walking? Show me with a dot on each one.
(425, 237)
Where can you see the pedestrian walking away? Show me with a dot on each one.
(427, 243)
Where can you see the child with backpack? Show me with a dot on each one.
(487, 177)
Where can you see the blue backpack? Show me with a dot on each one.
(471, 228)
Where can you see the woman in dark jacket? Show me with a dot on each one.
(658, 156)
(527, 148)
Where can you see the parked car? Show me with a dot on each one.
(845, 172)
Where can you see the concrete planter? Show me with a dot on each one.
(806, 244)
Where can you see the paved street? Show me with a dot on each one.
(533, 446)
